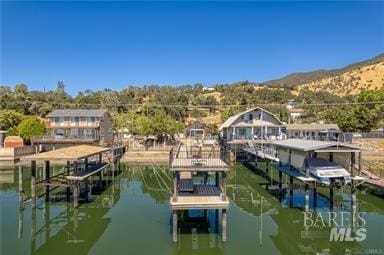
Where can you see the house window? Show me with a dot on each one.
(250, 116)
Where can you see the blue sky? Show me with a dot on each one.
(100, 45)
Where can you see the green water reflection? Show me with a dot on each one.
(132, 216)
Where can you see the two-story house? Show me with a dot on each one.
(253, 124)
(85, 126)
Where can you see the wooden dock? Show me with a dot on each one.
(189, 164)
(82, 163)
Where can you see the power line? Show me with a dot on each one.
(235, 105)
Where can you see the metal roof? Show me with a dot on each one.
(233, 118)
(313, 126)
(77, 112)
(310, 145)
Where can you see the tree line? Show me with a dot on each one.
(160, 109)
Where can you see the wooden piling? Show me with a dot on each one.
(224, 185)
(314, 196)
(291, 191)
(21, 190)
(175, 186)
(224, 225)
(46, 179)
(306, 205)
(33, 184)
(174, 226)
(68, 187)
(331, 195)
(280, 184)
(76, 194)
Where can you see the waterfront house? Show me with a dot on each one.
(253, 124)
(71, 127)
(197, 129)
(314, 131)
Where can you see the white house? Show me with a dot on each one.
(255, 123)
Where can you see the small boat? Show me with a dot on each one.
(326, 171)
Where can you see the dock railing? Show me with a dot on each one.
(199, 157)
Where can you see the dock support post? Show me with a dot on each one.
(46, 182)
(216, 221)
(224, 225)
(353, 202)
(174, 226)
(174, 187)
(267, 168)
(224, 184)
(21, 221)
(68, 188)
(33, 184)
(314, 196)
(280, 184)
(360, 163)
(331, 196)
(21, 191)
(46, 219)
(76, 194)
(290, 191)
(33, 230)
(306, 188)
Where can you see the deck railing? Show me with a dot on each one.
(52, 138)
(197, 157)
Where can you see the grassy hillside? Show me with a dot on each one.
(349, 80)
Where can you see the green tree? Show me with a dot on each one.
(9, 120)
(30, 126)
(228, 112)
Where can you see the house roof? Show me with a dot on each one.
(310, 127)
(233, 118)
(311, 145)
(77, 112)
(196, 122)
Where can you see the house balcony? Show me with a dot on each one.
(58, 139)
(68, 124)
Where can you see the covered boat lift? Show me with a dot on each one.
(289, 156)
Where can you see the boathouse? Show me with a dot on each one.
(199, 183)
(81, 164)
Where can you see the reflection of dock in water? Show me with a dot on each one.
(74, 230)
(198, 231)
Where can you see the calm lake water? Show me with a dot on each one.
(132, 216)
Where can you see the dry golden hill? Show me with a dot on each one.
(350, 82)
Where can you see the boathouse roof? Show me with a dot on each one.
(77, 112)
(315, 145)
(68, 153)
